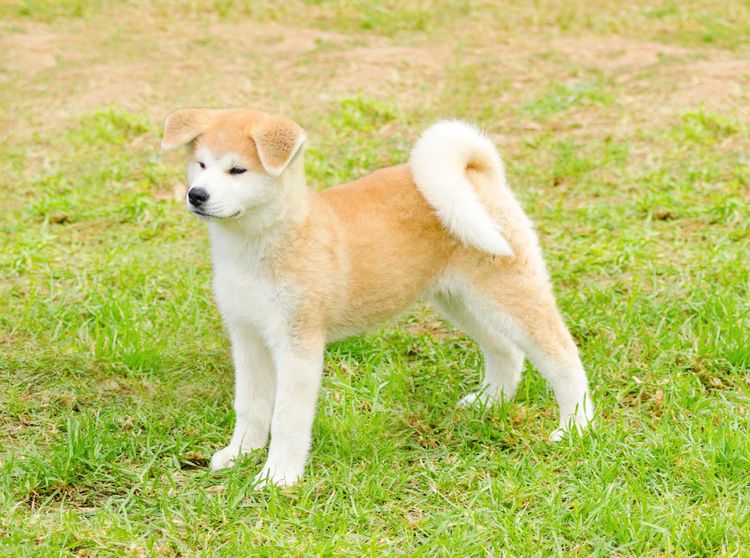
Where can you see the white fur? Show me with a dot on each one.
(276, 384)
(439, 161)
(229, 195)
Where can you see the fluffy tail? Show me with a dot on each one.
(439, 162)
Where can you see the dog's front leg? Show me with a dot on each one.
(299, 370)
(254, 388)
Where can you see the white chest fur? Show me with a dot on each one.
(243, 288)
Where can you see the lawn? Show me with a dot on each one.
(624, 126)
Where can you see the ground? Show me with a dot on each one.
(624, 130)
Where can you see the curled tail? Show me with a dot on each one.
(439, 163)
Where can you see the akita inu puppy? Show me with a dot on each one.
(294, 268)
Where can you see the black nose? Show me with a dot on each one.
(197, 196)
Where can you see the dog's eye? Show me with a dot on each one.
(236, 170)
(202, 164)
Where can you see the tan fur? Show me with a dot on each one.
(184, 125)
(382, 206)
(277, 140)
(371, 247)
(265, 142)
(231, 133)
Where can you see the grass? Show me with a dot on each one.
(115, 375)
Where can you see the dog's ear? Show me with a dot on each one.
(184, 125)
(277, 140)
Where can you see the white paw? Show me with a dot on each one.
(580, 422)
(278, 475)
(226, 457)
(471, 399)
(557, 434)
(481, 398)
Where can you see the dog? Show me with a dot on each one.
(295, 268)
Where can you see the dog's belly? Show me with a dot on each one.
(367, 314)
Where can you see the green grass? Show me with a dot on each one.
(115, 374)
(560, 97)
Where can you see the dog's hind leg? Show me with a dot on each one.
(503, 360)
(522, 308)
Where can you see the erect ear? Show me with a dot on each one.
(277, 140)
(184, 125)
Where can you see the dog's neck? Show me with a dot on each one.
(262, 229)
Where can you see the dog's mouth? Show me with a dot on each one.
(211, 217)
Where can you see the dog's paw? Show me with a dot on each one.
(226, 457)
(557, 434)
(476, 398)
(579, 423)
(481, 398)
(469, 400)
(278, 475)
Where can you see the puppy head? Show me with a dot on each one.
(235, 158)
